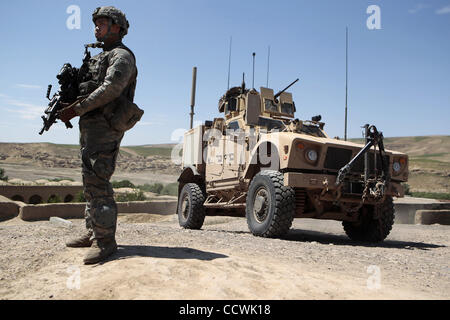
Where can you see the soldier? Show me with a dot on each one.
(108, 83)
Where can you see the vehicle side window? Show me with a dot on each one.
(270, 105)
(287, 108)
(231, 105)
(234, 125)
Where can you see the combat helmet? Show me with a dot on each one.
(117, 16)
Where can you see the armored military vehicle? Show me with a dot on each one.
(258, 161)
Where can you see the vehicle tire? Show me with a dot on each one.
(190, 210)
(270, 205)
(370, 229)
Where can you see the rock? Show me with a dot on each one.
(60, 222)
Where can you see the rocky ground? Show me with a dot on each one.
(48, 156)
(159, 260)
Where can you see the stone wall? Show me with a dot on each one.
(39, 194)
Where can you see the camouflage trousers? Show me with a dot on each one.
(99, 149)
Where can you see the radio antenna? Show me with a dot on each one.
(229, 64)
(268, 61)
(253, 81)
(346, 80)
(194, 81)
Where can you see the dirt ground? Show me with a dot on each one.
(159, 260)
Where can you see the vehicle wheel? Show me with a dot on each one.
(370, 229)
(191, 212)
(270, 205)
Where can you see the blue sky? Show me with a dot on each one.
(399, 75)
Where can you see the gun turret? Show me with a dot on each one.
(280, 92)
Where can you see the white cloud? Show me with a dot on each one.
(26, 110)
(417, 8)
(149, 123)
(443, 10)
(28, 86)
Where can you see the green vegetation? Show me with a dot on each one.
(170, 189)
(431, 195)
(152, 151)
(418, 139)
(2, 175)
(429, 164)
(60, 179)
(54, 199)
(79, 197)
(137, 195)
(406, 187)
(155, 188)
(431, 155)
(428, 161)
(123, 184)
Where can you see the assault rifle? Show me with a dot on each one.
(67, 94)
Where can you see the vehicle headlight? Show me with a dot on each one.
(397, 167)
(311, 155)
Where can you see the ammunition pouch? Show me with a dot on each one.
(87, 87)
(122, 114)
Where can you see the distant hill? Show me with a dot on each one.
(429, 161)
(429, 158)
(435, 147)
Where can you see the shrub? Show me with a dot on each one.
(170, 189)
(54, 199)
(2, 175)
(406, 188)
(79, 197)
(138, 195)
(431, 195)
(122, 184)
(60, 179)
(155, 188)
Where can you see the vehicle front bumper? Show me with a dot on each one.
(326, 181)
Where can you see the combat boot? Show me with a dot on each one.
(80, 242)
(100, 250)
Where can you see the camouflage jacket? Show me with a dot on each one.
(111, 73)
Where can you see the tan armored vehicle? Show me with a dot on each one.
(258, 161)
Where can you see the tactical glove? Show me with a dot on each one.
(67, 114)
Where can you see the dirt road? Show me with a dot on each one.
(159, 260)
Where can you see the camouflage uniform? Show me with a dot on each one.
(110, 79)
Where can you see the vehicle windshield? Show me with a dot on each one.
(270, 124)
(312, 130)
